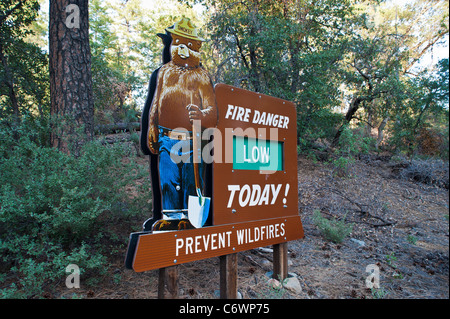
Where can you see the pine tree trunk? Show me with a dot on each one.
(71, 93)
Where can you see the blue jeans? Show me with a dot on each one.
(177, 179)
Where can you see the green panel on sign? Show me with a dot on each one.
(257, 154)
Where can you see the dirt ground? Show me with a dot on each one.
(400, 228)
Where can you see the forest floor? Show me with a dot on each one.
(400, 228)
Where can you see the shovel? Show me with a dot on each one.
(198, 206)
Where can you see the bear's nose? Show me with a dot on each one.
(183, 51)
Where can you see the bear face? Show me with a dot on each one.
(185, 52)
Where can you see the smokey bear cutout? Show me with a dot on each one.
(153, 158)
(184, 93)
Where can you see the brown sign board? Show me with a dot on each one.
(262, 182)
(173, 248)
(254, 196)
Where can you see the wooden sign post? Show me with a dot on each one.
(254, 200)
(228, 276)
(168, 276)
(280, 261)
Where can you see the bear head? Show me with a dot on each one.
(185, 52)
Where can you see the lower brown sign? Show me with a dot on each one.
(166, 249)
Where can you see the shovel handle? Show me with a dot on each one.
(197, 151)
(196, 176)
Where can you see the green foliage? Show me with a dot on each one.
(379, 293)
(341, 166)
(57, 209)
(351, 144)
(334, 230)
(421, 126)
(412, 239)
(316, 124)
(125, 52)
(284, 49)
(391, 259)
(24, 85)
(15, 17)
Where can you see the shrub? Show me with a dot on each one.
(312, 126)
(333, 230)
(341, 166)
(427, 140)
(352, 143)
(53, 208)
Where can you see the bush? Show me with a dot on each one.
(427, 140)
(312, 126)
(333, 230)
(352, 143)
(341, 166)
(53, 208)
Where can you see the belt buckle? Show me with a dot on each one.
(177, 136)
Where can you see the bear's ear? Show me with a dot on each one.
(166, 38)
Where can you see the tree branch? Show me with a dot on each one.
(424, 50)
(362, 209)
(365, 76)
(238, 44)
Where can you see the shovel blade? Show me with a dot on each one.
(198, 212)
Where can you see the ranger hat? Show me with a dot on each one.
(186, 29)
